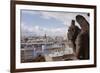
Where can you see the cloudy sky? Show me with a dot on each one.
(47, 22)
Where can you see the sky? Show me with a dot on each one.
(51, 23)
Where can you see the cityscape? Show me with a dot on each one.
(34, 49)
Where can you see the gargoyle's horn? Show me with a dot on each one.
(82, 22)
(80, 19)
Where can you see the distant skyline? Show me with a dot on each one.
(51, 23)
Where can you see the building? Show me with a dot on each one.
(45, 46)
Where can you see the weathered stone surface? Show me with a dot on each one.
(82, 41)
(79, 38)
(72, 34)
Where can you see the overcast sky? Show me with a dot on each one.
(47, 22)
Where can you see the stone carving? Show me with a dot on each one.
(73, 32)
(82, 41)
(79, 38)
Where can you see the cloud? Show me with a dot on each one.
(40, 31)
(55, 32)
(56, 15)
(64, 17)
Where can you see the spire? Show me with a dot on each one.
(45, 36)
